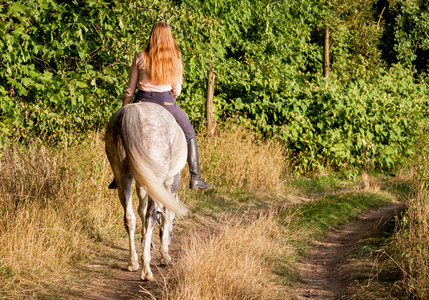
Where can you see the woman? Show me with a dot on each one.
(157, 73)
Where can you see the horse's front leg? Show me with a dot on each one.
(149, 224)
(125, 195)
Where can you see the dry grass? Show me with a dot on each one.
(55, 205)
(410, 249)
(238, 263)
(412, 241)
(235, 160)
(370, 184)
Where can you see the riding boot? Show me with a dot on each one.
(194, 167)
(113, 185)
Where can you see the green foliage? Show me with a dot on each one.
(65, 67)
(406, 34)
(354, 35)
(412, 32)
(365, 123)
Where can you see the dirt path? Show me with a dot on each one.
(112, 280)
(324, 272)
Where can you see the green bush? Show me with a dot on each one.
(365, 123)
(65, 67)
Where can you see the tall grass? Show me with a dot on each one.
(241, 261)
(53, 206)
(238, 263)
(235, 159)
(55, 203)
(412, 239)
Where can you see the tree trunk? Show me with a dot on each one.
(211, 124)
(326, 52)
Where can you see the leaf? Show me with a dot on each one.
(47, 76)
(79, 34)
(388, 151)
(81, 84)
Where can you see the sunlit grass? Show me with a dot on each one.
(55, 204)
(56, 207)
(219, 268)
(240, 262)
(331, 211)
(234, 161)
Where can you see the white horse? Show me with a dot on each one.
(144, 142)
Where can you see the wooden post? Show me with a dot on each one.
(211, 124)
(326, 52)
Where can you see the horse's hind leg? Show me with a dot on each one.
(165, 232)
(125, 192)
(148, 213)
(142, 195)
(167, 218)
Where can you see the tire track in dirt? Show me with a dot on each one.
(324, 273)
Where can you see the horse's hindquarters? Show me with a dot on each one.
(144, 142)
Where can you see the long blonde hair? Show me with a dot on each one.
(163, 56)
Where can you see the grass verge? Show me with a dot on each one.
(331, 211)
(410, 246)
(238, 263)
(373, 273)
(53, 208)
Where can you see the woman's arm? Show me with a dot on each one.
(177, 87)
(132, 83)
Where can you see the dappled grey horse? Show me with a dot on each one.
(144, 142)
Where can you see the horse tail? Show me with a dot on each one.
(143, 168)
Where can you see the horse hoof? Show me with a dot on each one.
(133, 268)
(165, 260)
(147, 278)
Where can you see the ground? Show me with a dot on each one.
(325, 270)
